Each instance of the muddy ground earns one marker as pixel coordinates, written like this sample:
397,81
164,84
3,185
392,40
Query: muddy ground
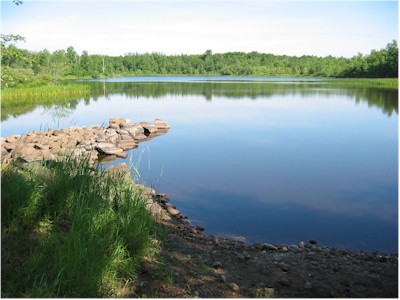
191,264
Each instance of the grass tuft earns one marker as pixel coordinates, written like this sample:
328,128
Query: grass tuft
70,231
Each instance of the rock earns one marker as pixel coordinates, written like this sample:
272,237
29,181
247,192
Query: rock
284,281
308,285
217,265
284,249
161,124
294,248
97,142
267,246
172,211
199,228
148,128
117,122
313,242
223,278
302,245
285,267
126,144
12,138
58,132
234,287
134,130
108,148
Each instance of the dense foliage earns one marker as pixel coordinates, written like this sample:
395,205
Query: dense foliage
22,67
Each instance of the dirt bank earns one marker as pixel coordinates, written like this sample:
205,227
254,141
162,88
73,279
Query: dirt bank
191,264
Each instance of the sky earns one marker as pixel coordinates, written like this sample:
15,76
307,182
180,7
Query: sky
321,28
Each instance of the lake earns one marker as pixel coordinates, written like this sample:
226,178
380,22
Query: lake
276,160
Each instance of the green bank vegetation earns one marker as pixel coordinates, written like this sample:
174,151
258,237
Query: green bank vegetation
42,93
21,67
68,230
391,83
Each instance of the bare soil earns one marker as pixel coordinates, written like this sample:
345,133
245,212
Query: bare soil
190,264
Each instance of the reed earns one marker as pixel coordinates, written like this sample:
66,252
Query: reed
70,231
41,94
392,83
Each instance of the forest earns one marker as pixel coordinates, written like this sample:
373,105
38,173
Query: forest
21,67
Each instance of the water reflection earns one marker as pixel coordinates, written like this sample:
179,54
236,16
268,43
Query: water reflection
386,99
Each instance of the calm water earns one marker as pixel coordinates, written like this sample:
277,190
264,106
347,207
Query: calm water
267,159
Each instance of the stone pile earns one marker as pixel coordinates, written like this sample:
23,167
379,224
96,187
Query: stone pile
96,142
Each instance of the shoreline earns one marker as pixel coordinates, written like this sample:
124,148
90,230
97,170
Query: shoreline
214,266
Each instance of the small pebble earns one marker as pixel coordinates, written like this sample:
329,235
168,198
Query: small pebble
217,265
223,278
199,228
313,242
267,246
302,244
284,281
285,267
308,285
234,287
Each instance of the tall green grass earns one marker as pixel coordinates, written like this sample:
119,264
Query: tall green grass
392,83
42,94
70,231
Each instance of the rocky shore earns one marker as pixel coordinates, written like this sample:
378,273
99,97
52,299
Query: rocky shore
191,264
99,143
186,263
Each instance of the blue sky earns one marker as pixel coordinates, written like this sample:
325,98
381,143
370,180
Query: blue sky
338,28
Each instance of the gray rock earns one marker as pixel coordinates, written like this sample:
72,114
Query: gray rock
285,267
284,281
223,278
217,265
308,285
302,245
267,246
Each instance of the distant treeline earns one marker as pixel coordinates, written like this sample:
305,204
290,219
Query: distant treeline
22,67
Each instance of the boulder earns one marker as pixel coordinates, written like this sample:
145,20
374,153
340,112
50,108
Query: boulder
161,124
149,127
108,148
116,123
126,144
134,130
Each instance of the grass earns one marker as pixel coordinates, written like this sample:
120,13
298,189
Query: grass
392,83
42,94
70,231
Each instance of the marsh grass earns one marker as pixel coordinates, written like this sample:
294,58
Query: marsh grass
70,231
391,83
42,94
